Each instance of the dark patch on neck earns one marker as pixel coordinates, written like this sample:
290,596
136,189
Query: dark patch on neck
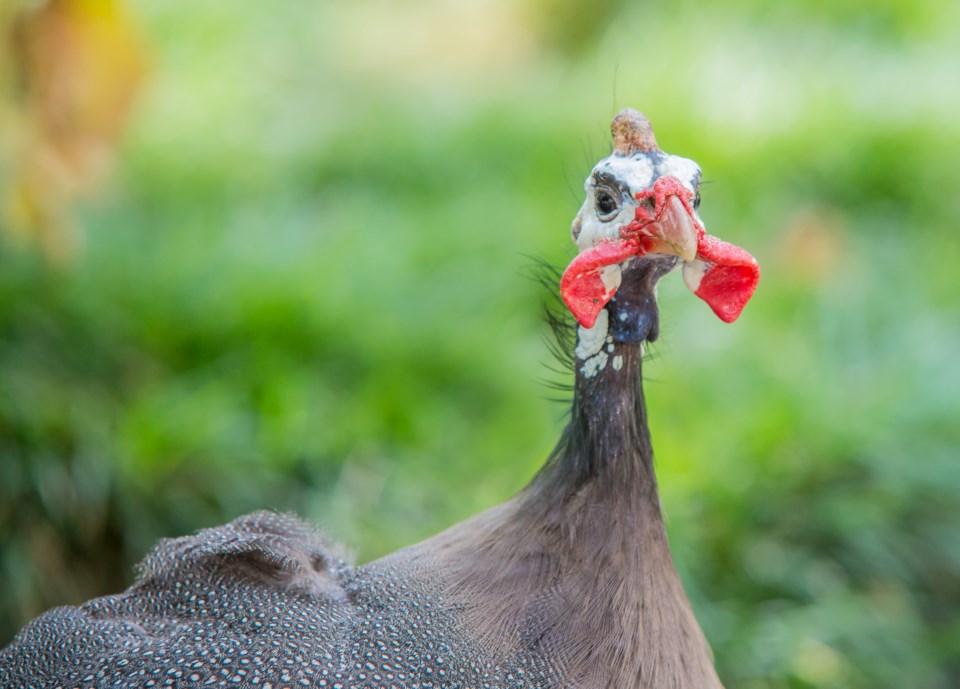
634,314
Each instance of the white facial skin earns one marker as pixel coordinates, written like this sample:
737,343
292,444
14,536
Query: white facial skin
635,173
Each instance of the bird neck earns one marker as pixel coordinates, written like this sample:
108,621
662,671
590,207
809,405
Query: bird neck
579,559
605,451
588,531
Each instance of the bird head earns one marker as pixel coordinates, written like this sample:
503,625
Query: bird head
639,221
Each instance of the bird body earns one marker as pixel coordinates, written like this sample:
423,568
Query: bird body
568,584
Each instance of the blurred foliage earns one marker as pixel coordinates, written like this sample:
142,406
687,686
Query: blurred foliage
303,289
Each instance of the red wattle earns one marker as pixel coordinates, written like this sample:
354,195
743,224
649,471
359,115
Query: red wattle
582,287
727,285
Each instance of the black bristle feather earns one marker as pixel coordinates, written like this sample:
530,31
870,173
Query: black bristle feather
563,327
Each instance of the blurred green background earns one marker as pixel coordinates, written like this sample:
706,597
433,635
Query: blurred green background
275,254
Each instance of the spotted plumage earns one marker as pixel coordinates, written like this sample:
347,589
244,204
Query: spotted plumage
260,602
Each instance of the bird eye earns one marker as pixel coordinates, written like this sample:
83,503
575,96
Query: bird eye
696,200
606,203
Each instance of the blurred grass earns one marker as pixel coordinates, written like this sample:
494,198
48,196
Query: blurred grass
304,290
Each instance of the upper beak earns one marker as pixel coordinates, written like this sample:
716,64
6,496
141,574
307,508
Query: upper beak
675,231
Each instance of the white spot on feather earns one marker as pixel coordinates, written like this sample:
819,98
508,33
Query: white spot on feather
594,365
611,277
590,342
693,272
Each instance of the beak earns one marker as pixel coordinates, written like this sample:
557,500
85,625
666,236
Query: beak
723,275
675,231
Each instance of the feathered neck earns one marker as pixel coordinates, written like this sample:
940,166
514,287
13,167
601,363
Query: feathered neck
606,446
